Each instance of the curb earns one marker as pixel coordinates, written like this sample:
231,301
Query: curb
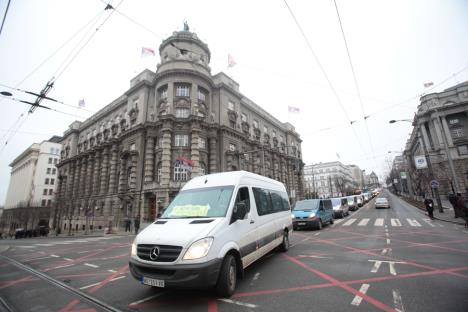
423,211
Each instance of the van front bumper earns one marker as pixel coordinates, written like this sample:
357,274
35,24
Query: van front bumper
202,275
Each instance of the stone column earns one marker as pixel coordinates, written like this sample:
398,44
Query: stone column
76,182
195,152
70,181
123,174
166,158
89,175
133,170
83,180
113,170
437,132
446,132
104,172
149,159
97,165
212,157
425,136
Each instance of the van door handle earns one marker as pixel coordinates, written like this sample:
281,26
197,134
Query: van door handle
252,221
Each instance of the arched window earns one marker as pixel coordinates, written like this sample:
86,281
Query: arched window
180,172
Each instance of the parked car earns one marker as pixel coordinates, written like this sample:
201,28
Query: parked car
382,202
352,203
312,213
216,226
340,207
20,233
367,197
360,200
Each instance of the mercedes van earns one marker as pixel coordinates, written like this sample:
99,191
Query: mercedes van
214,228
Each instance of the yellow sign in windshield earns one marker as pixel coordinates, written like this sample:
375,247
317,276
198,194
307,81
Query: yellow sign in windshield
190,211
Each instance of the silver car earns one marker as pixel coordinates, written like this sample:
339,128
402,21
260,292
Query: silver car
382,202
340,207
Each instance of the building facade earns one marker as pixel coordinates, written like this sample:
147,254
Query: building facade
133,156
357,176
331,179
33,182
440,136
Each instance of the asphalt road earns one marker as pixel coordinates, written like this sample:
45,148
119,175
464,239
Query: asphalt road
388,259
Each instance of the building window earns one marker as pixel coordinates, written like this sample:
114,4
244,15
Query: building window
202,95
457,133
49,203
46,181
244,117
181,140
52,181
183,90
230,105
232,147
132,147
43,203
45,192
54,170
273,134
180,172
51,191
265,129
201,143
202,169
182,112
50,160
463,150
55,161
49,170
158,178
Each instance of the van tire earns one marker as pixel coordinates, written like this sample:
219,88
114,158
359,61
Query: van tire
227,279
332,221
319,225
285,244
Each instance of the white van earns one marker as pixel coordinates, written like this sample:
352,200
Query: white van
216,226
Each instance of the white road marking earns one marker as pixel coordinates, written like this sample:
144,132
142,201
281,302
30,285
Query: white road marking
256,276
379,222
388,241
55,256
26,246
312,256
363,222
63,243
146,299
397,302
112,271
64,266
428,221
386,251
91,265
316,234
349,222
44,245
413,222
392,268
243,304
357,299
376,266
67,259
395,222
82,252
338,221
95,284
386,234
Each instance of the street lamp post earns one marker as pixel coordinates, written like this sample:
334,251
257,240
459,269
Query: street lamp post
429,164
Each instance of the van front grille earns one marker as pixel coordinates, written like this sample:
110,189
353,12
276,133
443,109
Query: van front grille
158,253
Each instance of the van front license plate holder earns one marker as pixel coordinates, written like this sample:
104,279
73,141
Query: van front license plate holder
152,282
301,223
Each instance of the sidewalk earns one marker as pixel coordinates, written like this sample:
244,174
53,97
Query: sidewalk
448,215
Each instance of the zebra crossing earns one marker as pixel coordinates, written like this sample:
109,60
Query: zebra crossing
380,222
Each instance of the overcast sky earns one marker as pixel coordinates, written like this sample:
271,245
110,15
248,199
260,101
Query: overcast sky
395,46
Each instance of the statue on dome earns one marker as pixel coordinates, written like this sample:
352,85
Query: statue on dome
186,26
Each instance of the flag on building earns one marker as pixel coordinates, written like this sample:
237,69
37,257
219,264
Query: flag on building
147,52
294,110
338,155
428,84
81,103
231,61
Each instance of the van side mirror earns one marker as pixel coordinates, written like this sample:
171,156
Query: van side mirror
240,210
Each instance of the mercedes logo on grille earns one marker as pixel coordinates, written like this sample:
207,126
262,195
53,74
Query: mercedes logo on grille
154,253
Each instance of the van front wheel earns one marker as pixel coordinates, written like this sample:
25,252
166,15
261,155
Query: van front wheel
285,244
227,278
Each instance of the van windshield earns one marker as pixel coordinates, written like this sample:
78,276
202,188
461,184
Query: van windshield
307,204
200,203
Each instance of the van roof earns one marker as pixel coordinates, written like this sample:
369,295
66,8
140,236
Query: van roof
233,178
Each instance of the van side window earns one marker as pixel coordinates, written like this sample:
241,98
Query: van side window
276,202
286,204
243,196
327,205
262,200
321,204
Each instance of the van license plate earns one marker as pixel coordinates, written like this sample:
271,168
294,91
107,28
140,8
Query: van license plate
153,282
301,223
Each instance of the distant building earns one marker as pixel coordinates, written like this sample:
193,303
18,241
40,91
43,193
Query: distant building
373,181
34,178
441,124
130,159
331,179
357,175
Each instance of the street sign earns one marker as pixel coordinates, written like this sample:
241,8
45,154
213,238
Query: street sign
420,162
403,175
434,184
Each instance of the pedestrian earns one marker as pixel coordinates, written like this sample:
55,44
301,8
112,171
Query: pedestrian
453,200
459,205
127,225
136,224
465,212
429,203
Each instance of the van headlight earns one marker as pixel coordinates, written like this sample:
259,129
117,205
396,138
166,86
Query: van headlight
293,216
133,253
198,249
312,215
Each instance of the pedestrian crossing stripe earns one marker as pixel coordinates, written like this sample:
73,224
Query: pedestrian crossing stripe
395,222
349,222
381,222
363,222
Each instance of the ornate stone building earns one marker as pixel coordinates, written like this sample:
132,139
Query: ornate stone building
132,157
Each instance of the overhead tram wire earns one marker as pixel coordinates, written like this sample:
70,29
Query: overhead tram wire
355,80
41,64
4,16
51,82
324,73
